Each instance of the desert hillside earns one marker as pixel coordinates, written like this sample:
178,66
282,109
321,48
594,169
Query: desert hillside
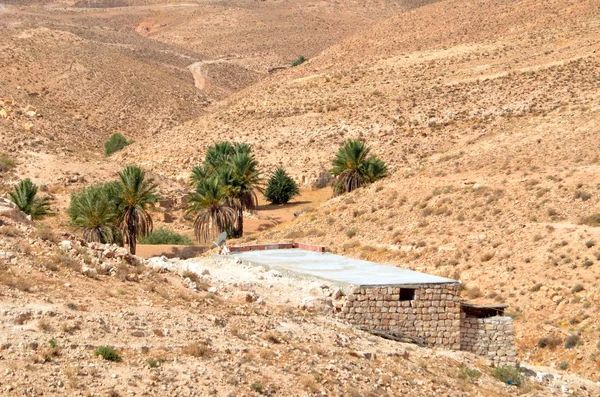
486,119
487,114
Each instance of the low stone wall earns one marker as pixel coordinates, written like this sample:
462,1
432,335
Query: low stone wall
278,246
431,312
491,337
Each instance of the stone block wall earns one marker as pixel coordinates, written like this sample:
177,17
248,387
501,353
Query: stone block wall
432,314
491,337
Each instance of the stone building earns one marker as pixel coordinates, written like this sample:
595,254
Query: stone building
399,302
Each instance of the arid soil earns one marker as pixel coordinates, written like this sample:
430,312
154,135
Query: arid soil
487,114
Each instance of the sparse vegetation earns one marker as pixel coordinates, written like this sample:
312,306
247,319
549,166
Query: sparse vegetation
115,143
509,375
549,342
572,340
107,353
469,373
165,236
196,349
257,387
563,365
301,59
6,163
155,362
281,187
591,220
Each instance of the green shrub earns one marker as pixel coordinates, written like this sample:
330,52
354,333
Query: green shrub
469,373
165,236
115,143
155,362
301,59
509,375
257,387
281,187
351,233
563,365
107,353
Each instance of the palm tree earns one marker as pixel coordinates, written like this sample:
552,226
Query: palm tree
214,215
217,156
353,168
94,211
236,170
241,178
134,194
24,196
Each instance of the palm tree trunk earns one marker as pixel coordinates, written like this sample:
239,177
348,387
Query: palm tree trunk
239,232
131,231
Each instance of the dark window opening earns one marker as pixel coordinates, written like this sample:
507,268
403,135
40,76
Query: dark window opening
407,294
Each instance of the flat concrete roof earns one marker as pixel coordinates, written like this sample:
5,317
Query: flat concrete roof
338,268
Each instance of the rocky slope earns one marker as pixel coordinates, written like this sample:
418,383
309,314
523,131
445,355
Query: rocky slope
233,331
485,118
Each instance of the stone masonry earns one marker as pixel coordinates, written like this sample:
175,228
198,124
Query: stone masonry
429,312
491,337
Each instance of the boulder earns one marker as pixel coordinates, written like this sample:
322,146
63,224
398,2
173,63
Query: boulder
242,297
9,210
323,305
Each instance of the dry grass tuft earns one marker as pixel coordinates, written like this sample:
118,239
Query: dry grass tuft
197,349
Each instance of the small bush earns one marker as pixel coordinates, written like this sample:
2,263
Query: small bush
591,220
469,373
281,187
115,143
577,288
196,349
563,365
551,342
509,375
43,232
10,231
257,387
301,59
155,362
165,236
351,233
107,353
583,195
6,163
474,293
571,341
